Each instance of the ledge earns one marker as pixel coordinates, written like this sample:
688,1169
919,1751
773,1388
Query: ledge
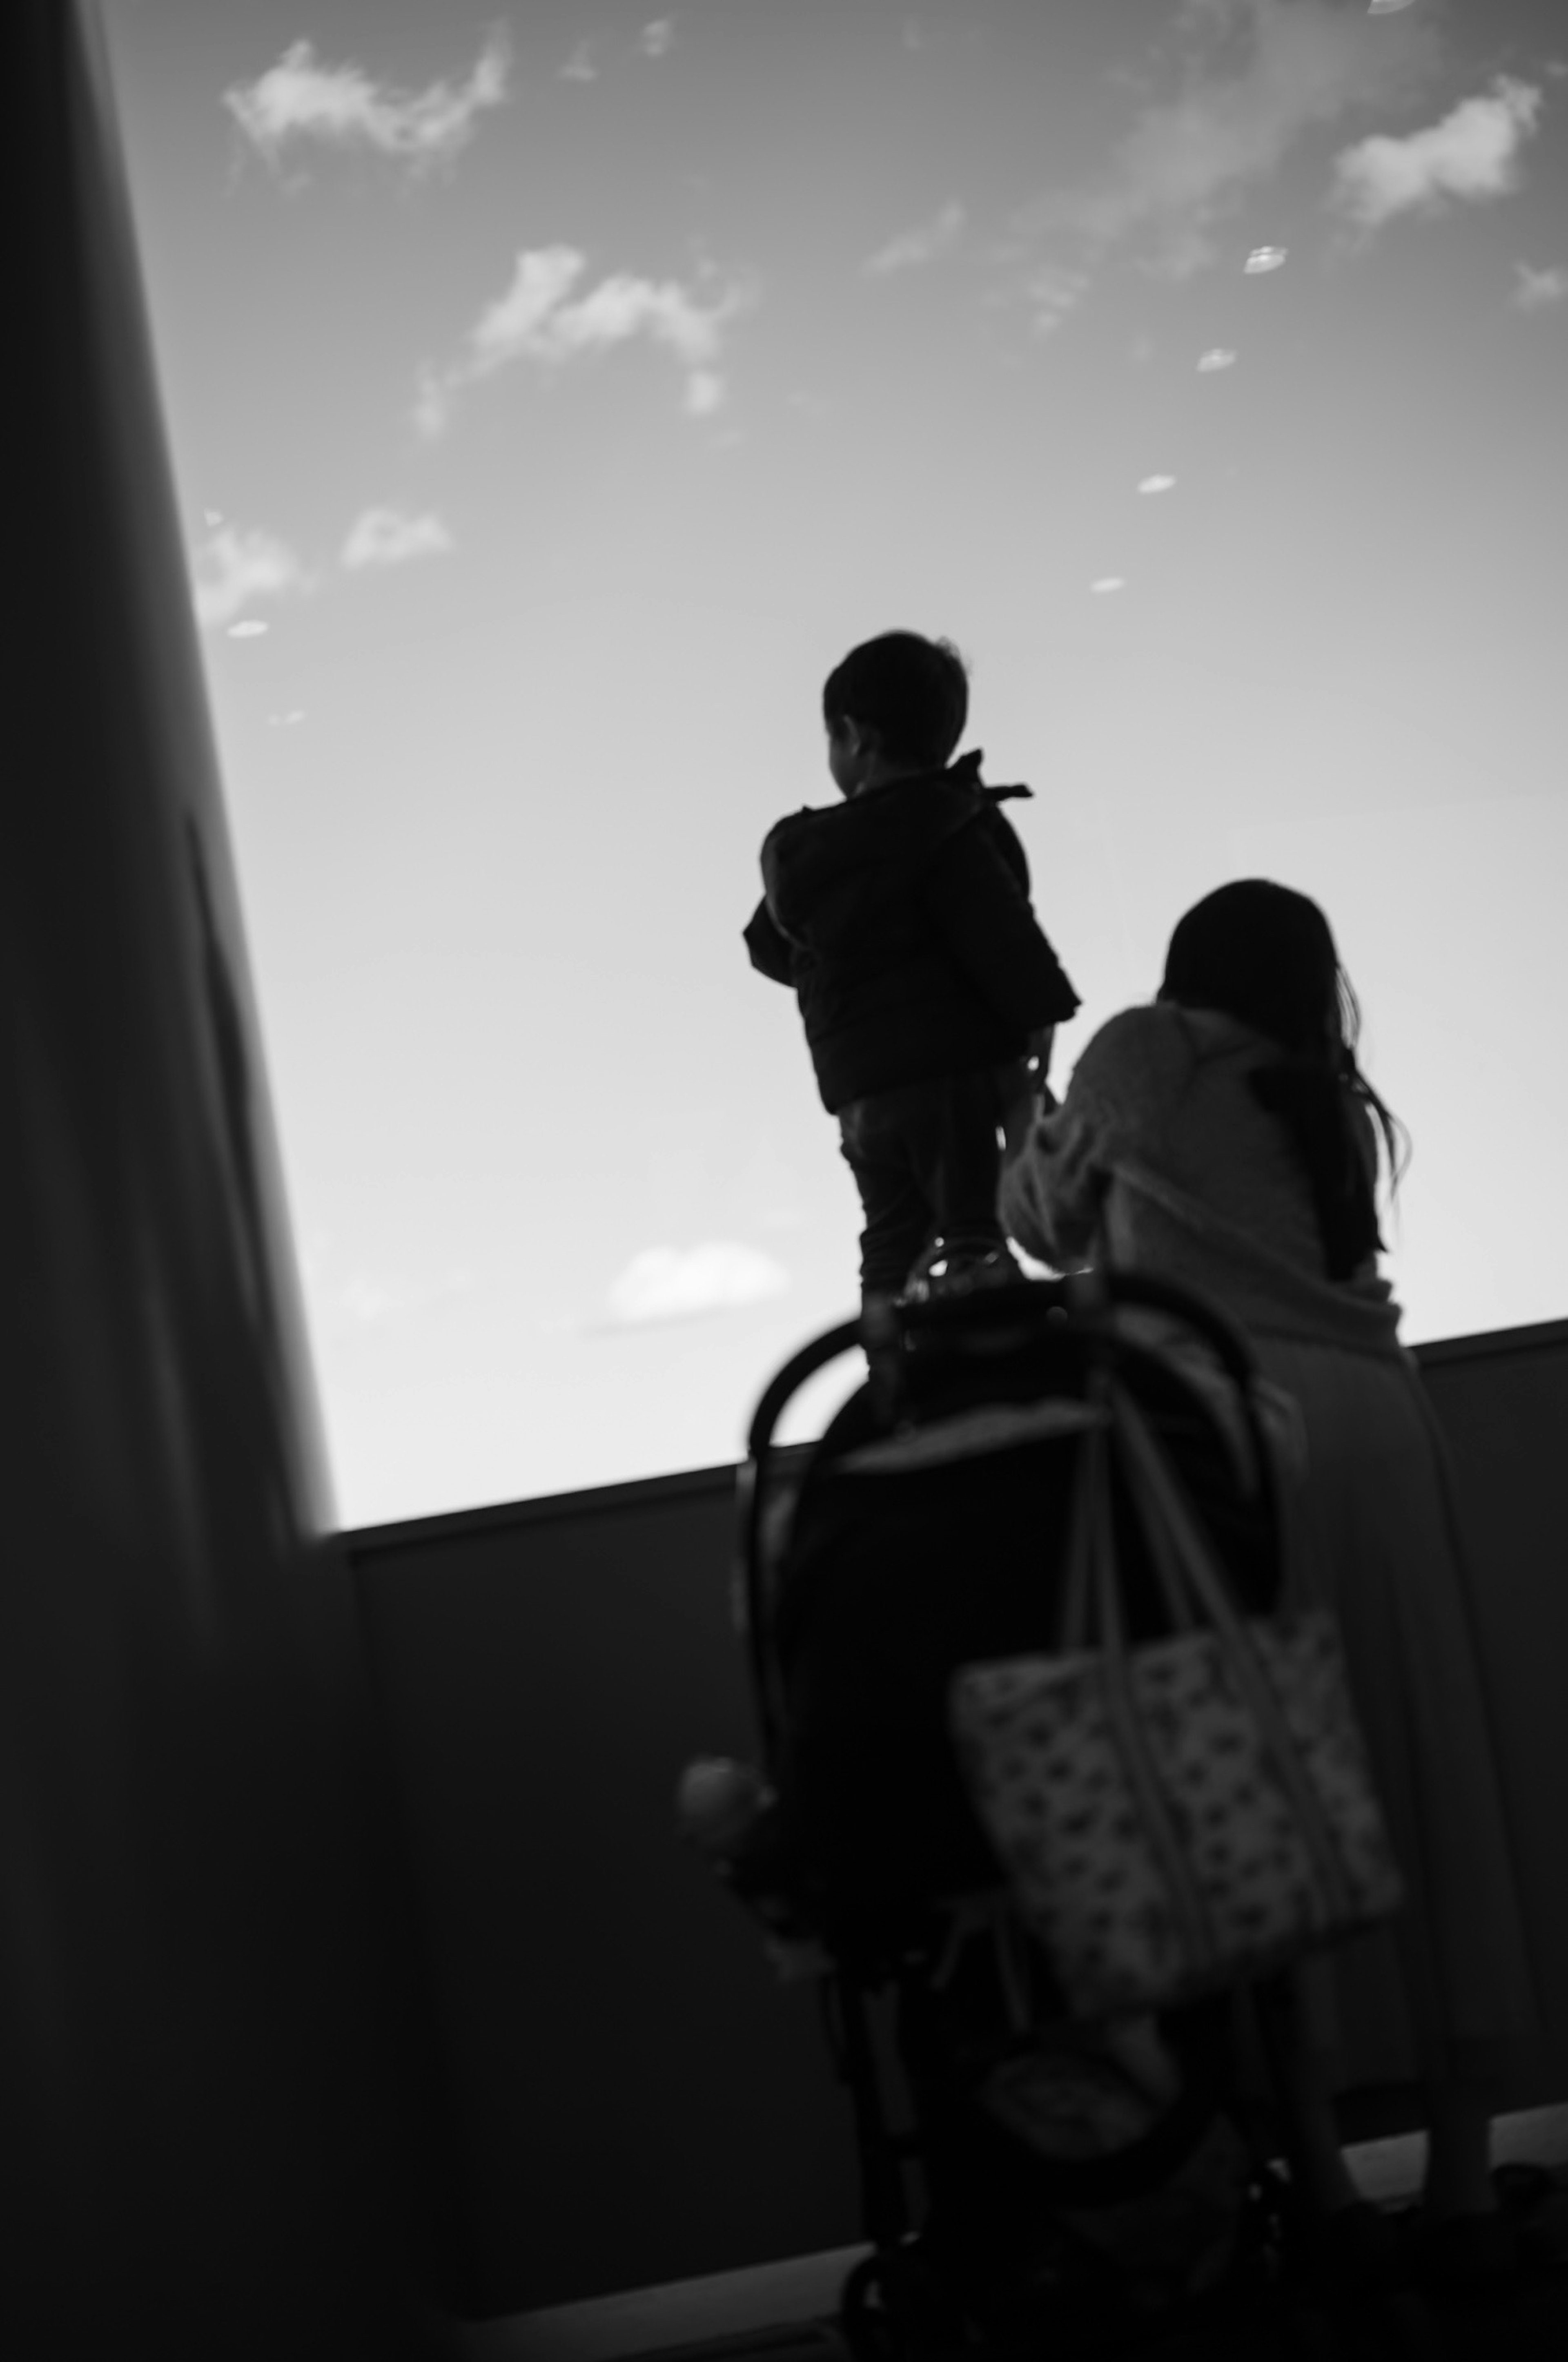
1541,1336
640,1493
715,1484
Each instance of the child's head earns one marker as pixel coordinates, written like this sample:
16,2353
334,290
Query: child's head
896,705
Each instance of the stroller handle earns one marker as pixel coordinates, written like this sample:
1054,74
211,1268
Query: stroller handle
1081,1299
793,1376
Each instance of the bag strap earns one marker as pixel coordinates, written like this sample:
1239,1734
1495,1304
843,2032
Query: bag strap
1089,1507
1163,1509
1126,1724
1090,1501
1180,1602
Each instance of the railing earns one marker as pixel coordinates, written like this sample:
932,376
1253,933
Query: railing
632,2099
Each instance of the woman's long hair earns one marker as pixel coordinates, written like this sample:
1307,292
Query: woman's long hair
1265,955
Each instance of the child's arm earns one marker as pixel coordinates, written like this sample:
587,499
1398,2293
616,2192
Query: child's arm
770,948
1026,1094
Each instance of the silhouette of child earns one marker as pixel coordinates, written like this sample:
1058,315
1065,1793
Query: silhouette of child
903,921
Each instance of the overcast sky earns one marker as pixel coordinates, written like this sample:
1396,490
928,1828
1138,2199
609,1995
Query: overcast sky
554,399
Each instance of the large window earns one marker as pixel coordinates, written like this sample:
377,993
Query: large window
551,408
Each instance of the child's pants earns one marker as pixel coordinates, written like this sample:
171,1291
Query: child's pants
927,1162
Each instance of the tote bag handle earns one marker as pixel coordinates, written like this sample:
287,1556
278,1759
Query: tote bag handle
1092,1614
1174,1535
1082,1618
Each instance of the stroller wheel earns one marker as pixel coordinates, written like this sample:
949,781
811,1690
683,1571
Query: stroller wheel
893,2308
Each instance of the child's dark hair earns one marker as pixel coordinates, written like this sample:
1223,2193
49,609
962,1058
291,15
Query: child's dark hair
912,691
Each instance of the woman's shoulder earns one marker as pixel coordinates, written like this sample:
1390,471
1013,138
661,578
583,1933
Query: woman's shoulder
1134,1048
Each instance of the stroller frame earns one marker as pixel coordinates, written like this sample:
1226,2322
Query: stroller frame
891,2304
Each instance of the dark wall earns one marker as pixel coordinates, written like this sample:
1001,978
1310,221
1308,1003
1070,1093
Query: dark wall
635,2098
635,2101
207,2137
1503,1403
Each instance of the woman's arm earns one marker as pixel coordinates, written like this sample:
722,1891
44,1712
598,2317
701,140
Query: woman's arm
1056,1170
1053,1176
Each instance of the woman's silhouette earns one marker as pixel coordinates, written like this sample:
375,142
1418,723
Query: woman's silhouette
1225,1138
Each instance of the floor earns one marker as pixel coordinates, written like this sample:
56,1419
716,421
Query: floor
784,2312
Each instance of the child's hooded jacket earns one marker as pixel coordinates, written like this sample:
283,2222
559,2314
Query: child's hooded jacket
902,918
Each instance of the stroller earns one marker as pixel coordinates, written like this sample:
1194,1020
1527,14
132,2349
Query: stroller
1085,2190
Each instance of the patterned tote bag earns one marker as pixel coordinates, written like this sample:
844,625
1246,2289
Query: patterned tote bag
1188,1814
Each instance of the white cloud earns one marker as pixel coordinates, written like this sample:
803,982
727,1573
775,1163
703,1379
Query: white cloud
251,628
1051,292
386,538
1264,258
1158,484
365,1299
914,247
1473,152
1218,356
1388,7
508,326
1254,76
534,320
233,567
657,37
705,394
432,403
674,1284
505,329
298,98
1106,583
580,66
1535,289
625,306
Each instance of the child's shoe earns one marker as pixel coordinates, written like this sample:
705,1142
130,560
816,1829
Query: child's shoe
959,1271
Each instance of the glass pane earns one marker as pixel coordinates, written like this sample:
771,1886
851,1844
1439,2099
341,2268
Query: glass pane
553,409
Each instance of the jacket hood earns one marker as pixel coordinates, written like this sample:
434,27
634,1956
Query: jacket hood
824,870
